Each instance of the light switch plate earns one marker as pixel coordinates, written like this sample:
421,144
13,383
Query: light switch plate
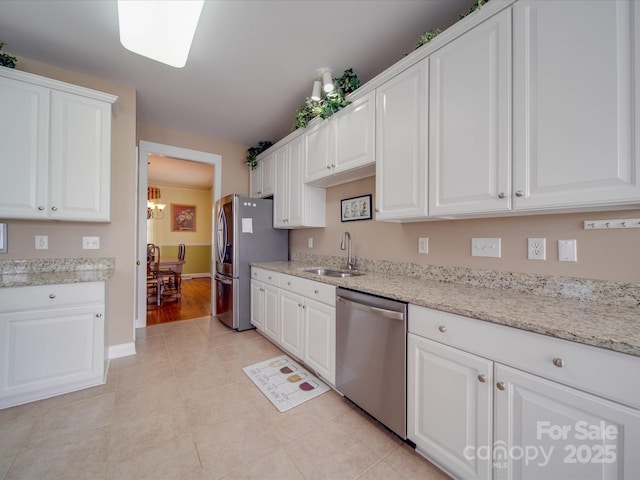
485,247
423,245
567,251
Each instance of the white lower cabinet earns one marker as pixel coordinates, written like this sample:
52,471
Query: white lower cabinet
303,321
53,340
449,406
489,401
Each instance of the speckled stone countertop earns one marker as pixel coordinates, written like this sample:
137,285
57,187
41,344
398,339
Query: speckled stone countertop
49,271
611,322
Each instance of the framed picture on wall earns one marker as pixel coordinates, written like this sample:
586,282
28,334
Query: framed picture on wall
183,218
356,208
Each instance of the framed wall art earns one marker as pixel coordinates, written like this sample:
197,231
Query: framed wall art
183,218
356,208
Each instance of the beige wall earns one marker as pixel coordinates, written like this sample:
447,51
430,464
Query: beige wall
235,174
608,255
117,239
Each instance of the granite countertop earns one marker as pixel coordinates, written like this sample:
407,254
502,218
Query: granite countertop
614,327
23,273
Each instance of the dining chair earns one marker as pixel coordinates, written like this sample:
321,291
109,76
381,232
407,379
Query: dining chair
172,277
154,279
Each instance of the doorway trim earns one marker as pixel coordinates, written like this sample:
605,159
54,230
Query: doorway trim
144,149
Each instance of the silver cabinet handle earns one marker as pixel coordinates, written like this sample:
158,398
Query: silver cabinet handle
442,328
482,378
300,305
500,385
519,193
99,315
501,195
316,291
289,283
269,277
52,295
328,167
558,362
40,208
55,209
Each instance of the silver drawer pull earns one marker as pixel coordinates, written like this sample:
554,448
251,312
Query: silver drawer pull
99,315
316,291
52,295
558,362
500,385
442,328
482,378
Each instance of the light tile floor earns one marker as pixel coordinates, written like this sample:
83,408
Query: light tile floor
183,409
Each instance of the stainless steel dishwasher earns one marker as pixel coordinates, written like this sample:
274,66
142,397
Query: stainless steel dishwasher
371,359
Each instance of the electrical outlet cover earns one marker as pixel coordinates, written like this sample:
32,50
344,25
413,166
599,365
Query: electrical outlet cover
537,248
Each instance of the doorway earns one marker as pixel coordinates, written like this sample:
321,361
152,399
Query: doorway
144,150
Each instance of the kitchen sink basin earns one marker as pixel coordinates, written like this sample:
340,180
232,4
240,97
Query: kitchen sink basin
326,272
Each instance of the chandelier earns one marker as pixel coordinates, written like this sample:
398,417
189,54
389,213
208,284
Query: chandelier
154,210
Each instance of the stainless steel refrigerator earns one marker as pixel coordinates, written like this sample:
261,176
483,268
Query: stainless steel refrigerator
244,234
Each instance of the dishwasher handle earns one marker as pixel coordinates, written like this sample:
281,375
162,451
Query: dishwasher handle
368,308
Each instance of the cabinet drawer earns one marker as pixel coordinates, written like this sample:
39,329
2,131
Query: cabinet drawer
265,276
318,291
610,374
48,296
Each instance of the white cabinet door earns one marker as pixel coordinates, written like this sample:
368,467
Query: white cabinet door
547,430
320,339
24,149
262,178
450,406
281,193
402,146
292,323
296,187
80,158
354,134
257,304
319,155
271,306
575,102
470,121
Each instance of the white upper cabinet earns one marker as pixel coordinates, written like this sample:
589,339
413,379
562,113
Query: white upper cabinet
342,148
576,129
470,121
24,149
55,149
295,204
262,178
401,145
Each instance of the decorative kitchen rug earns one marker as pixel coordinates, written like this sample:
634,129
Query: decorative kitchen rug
285,383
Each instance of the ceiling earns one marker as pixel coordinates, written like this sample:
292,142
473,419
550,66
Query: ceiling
252,63
163,170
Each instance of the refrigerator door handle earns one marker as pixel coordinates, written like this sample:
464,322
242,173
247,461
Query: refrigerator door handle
225,280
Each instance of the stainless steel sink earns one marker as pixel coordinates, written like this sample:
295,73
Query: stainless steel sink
326,272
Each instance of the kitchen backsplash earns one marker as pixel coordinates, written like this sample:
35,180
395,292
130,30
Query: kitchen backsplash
600,291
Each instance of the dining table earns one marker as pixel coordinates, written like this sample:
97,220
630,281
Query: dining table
174,264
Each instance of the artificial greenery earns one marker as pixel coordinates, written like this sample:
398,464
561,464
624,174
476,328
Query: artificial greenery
429,35
7,60
476,6
253,152
330,103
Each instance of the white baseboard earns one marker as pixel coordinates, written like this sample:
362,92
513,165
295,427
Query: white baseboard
187,276
122,350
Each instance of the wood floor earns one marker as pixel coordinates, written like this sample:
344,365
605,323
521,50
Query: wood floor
195,303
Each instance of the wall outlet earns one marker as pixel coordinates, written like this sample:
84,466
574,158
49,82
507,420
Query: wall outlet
423,245
42,242
90,243
567,251
537,248
485,247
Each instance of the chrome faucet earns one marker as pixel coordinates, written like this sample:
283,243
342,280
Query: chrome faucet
345,244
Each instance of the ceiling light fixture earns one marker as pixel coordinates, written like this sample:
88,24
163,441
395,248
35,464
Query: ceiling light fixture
160,30
323,81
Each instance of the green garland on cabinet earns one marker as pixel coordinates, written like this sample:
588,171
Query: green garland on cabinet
7,60
429,35
253,152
